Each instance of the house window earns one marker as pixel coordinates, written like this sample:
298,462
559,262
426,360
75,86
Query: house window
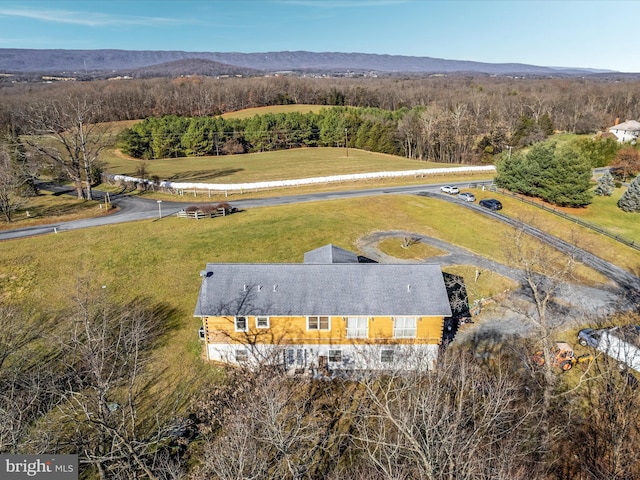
357,327
318,323
242,355
335,356
386,355
404,327
296,357
241,324
262,322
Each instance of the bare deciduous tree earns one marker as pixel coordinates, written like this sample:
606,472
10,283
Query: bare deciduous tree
545,271
16,175
106,355
68,135
27,378
459,421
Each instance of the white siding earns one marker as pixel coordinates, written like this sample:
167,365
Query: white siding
310,357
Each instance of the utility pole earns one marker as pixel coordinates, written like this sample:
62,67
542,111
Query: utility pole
346,141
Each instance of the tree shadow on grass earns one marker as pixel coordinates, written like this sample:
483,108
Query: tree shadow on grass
66,206
202,175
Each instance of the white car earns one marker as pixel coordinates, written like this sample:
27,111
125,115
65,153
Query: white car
450,189
467,196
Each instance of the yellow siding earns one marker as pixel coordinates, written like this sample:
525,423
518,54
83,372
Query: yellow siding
293,330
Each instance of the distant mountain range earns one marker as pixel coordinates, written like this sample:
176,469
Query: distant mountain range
146,63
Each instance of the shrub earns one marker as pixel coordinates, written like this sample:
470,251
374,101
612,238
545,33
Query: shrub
630,200
605,185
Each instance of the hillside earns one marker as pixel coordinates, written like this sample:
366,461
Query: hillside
190,66
97,62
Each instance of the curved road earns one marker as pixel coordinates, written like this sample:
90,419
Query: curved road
132,208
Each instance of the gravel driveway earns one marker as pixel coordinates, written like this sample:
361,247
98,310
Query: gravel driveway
573,306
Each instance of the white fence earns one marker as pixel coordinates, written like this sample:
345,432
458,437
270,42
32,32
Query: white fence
233,187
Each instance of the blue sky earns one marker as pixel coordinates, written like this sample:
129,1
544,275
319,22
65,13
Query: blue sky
568,33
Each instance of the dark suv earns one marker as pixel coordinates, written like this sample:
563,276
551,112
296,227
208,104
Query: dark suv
491,203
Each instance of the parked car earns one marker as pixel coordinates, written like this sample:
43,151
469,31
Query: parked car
620,343
491,203
589,337
450,189
467,196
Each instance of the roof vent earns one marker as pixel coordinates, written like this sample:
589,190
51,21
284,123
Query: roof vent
275,287
244,287
204,273
259,288
409,288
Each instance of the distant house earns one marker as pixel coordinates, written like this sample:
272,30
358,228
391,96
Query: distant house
330,313
627,131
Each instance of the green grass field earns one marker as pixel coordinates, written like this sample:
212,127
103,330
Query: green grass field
296,108
266,166
161,260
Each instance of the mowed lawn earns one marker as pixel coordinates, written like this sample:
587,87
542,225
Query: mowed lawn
274,109
162,259
267,166
603,212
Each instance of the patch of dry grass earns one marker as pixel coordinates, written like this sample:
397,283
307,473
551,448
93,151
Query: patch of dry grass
47,207
413,251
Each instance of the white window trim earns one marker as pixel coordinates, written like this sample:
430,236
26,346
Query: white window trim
263,326
404,328
246,324
393,355
318,323
333,350
358,330
243,352
295,357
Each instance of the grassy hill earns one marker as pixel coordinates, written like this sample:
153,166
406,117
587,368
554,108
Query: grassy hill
265,166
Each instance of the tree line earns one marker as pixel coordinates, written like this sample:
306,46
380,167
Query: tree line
62,127
496,110
172,136
418,133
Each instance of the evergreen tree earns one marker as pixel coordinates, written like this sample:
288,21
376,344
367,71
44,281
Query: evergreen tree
512,173
606,185
557,175
567,181
600,151
630,200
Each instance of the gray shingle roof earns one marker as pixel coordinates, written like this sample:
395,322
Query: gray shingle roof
322,289
629,126
330,254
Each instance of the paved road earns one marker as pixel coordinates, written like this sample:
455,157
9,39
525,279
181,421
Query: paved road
616,274
584,302
131,208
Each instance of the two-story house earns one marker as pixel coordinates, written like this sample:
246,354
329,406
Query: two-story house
626,131
330,313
